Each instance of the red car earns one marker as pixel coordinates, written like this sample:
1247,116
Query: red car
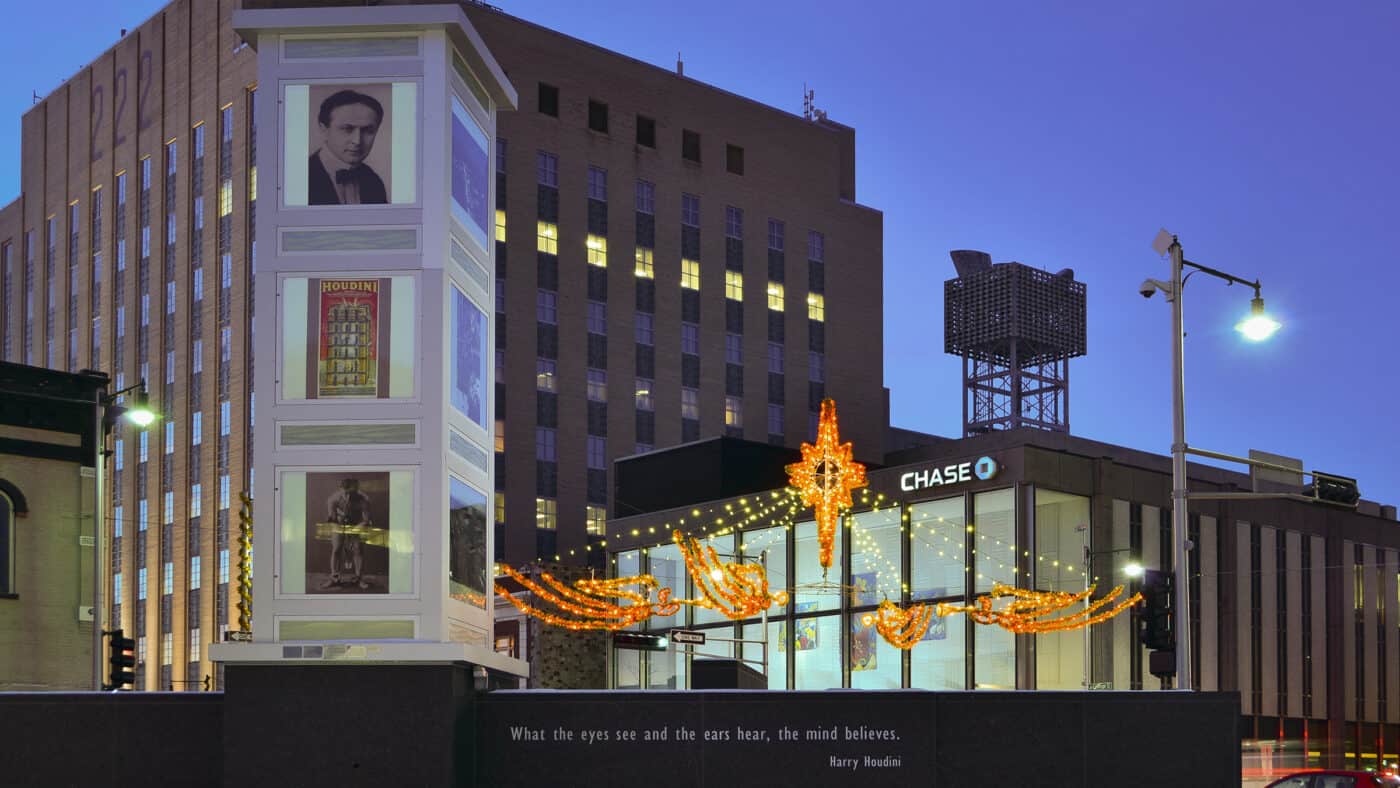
1333,779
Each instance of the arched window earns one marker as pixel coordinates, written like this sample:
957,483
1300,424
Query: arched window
12,505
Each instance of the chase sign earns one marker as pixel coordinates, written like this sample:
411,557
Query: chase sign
982,469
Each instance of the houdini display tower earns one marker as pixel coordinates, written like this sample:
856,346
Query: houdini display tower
373,342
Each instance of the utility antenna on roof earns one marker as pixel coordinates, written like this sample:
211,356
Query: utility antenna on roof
680,65
809,105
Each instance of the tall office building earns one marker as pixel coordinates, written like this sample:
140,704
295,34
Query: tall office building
674,262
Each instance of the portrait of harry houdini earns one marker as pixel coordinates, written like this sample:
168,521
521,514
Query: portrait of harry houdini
337,172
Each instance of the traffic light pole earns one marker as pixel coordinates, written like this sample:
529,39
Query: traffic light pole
1180,547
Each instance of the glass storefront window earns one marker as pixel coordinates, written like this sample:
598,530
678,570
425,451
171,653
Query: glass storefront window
664,562
938,545
993,533
627,665
817,588
777,652
994,561
629,564
1061,537
939,661
724,546
876,570
666,669
773,543
817,652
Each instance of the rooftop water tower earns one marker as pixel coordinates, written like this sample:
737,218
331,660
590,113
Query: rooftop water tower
1016,328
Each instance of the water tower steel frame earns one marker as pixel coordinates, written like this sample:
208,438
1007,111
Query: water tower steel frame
1016,328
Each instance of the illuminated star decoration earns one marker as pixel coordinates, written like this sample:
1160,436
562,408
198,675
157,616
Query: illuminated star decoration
825,478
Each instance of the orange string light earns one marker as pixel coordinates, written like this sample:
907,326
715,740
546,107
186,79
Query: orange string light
736,590
902,629
1029,611
586,603
825,477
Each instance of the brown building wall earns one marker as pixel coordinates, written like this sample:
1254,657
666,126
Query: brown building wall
182,67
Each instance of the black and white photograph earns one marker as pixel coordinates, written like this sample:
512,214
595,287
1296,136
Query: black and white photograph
347,533
349,136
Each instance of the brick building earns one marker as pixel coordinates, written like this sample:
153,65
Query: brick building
674,262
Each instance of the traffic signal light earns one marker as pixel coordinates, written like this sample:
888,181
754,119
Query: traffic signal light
1333,489
639,641
121,660
1157,631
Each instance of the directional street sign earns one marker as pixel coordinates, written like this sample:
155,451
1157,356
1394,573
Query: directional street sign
686,636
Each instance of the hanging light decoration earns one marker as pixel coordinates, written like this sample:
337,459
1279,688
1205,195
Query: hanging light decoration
587,605
1033,612
824,479
902,629
736,590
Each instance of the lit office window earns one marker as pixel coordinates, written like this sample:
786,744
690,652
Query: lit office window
547,238
194,573
775,296
734,285
645,270
596,519
645,401
500,225
500,435
597,246
500,507
733,412
816,306
546,513
546,378
690,274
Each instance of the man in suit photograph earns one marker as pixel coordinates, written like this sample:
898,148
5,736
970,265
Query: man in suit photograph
337,172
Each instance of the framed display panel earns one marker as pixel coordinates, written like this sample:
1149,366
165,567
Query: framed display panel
348,337
468,382
471,175
346,531
350,143
466,543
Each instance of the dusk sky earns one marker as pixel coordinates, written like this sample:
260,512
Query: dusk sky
1266,135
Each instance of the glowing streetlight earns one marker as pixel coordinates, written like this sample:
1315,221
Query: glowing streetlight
1133,570
1258,326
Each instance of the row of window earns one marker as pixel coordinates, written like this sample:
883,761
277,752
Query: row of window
599,120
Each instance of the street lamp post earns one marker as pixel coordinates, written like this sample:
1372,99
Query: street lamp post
141,415
1257,327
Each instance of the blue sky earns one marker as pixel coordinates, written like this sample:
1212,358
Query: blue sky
1266,135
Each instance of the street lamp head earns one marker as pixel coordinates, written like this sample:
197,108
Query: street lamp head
1258,326
1133,570
140,412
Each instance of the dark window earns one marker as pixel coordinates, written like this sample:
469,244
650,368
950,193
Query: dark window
646,131
549,100
598,116
690,145
734,159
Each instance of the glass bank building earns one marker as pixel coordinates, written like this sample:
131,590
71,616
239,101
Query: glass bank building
1294,605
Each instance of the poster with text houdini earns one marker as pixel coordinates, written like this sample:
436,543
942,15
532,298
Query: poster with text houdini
349,337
